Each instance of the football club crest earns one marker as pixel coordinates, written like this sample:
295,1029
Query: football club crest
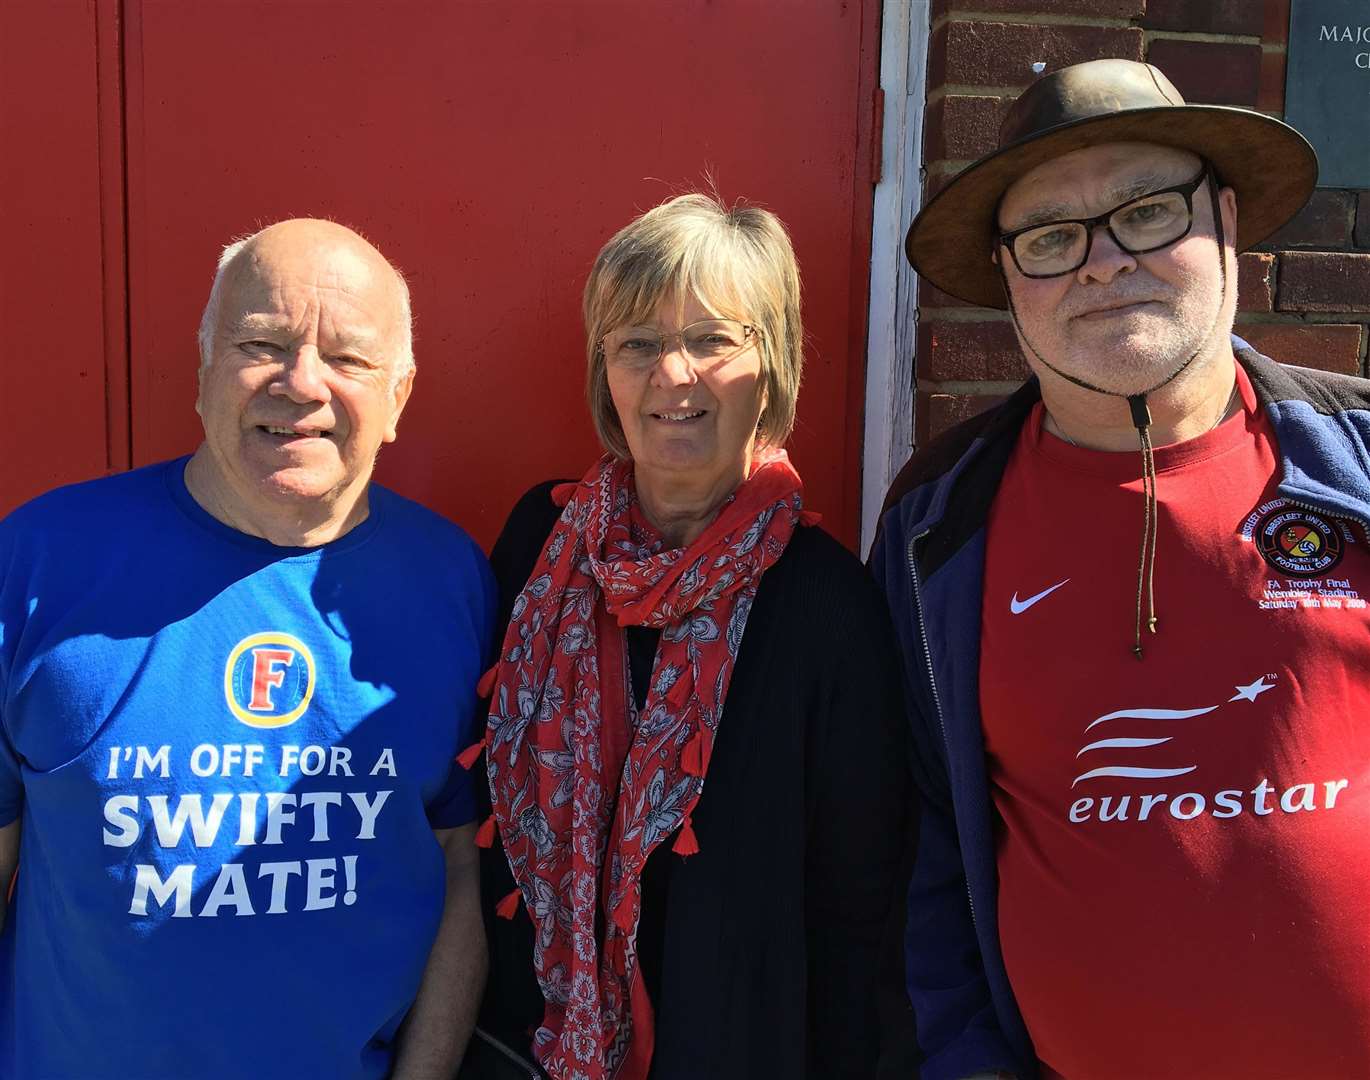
269,679
1298,542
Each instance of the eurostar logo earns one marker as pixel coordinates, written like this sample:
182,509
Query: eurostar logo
1128,759
1250,692
269,680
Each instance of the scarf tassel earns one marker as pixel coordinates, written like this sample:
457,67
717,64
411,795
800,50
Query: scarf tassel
692,757
509,906
485,835
486,686
468,757
623,916
686,842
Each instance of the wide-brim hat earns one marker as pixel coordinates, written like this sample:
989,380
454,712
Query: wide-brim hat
1270,166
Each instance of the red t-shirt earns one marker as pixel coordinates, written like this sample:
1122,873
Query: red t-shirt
1184,841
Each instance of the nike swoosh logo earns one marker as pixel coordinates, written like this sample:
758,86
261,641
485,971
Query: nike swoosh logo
1019,606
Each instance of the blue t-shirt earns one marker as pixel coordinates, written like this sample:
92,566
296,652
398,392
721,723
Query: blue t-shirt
229,758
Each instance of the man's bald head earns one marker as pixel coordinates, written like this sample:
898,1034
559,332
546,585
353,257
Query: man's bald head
294,242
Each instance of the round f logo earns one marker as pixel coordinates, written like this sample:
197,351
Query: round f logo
269,679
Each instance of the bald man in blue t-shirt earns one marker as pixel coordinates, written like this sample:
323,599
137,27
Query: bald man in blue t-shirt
232,687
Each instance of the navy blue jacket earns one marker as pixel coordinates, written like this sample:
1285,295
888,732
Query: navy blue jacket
929,556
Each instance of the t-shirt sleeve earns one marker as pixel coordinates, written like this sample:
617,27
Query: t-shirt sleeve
11,781
455,804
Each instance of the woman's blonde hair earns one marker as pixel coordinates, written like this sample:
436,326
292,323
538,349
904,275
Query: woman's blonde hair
736,261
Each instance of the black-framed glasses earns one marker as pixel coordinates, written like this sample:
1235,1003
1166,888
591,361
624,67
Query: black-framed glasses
708,339
1146,223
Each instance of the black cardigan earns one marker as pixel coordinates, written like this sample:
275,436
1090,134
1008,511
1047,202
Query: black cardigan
776,933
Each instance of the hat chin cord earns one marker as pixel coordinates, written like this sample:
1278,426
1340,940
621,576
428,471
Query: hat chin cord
1141,419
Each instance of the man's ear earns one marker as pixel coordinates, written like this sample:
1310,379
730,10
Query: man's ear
402,390
1227,205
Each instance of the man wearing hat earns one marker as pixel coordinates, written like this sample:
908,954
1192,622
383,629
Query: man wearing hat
1132,606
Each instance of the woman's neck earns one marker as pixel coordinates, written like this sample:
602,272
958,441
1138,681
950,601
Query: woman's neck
682,507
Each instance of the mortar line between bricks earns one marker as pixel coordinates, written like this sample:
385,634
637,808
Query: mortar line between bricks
1016,18
961,314
1305,318
1274,47
974,388
1210,39
970,90
945,166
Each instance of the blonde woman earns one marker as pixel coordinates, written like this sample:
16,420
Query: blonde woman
695,745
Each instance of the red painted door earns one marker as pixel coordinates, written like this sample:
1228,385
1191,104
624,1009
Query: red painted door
63,376
489,148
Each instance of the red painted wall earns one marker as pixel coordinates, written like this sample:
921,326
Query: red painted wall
488,148
53,385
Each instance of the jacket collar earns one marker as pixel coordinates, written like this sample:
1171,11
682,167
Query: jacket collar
1322,427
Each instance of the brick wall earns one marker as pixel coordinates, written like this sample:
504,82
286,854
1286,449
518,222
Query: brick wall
1304,296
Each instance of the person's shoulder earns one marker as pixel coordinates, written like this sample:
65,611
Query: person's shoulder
100,502
812,549
1327,392
408,521
823,575
824,607
528,525
946,451
535,511
68,538
429,555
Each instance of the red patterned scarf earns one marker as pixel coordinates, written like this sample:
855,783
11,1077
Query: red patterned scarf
583,787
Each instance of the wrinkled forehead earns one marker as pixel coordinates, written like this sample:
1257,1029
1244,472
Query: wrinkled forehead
1089,181
273,272
333,298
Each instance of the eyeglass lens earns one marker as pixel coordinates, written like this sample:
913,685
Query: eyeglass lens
712,339
1142,225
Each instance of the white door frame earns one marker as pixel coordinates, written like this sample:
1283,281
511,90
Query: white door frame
892,325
